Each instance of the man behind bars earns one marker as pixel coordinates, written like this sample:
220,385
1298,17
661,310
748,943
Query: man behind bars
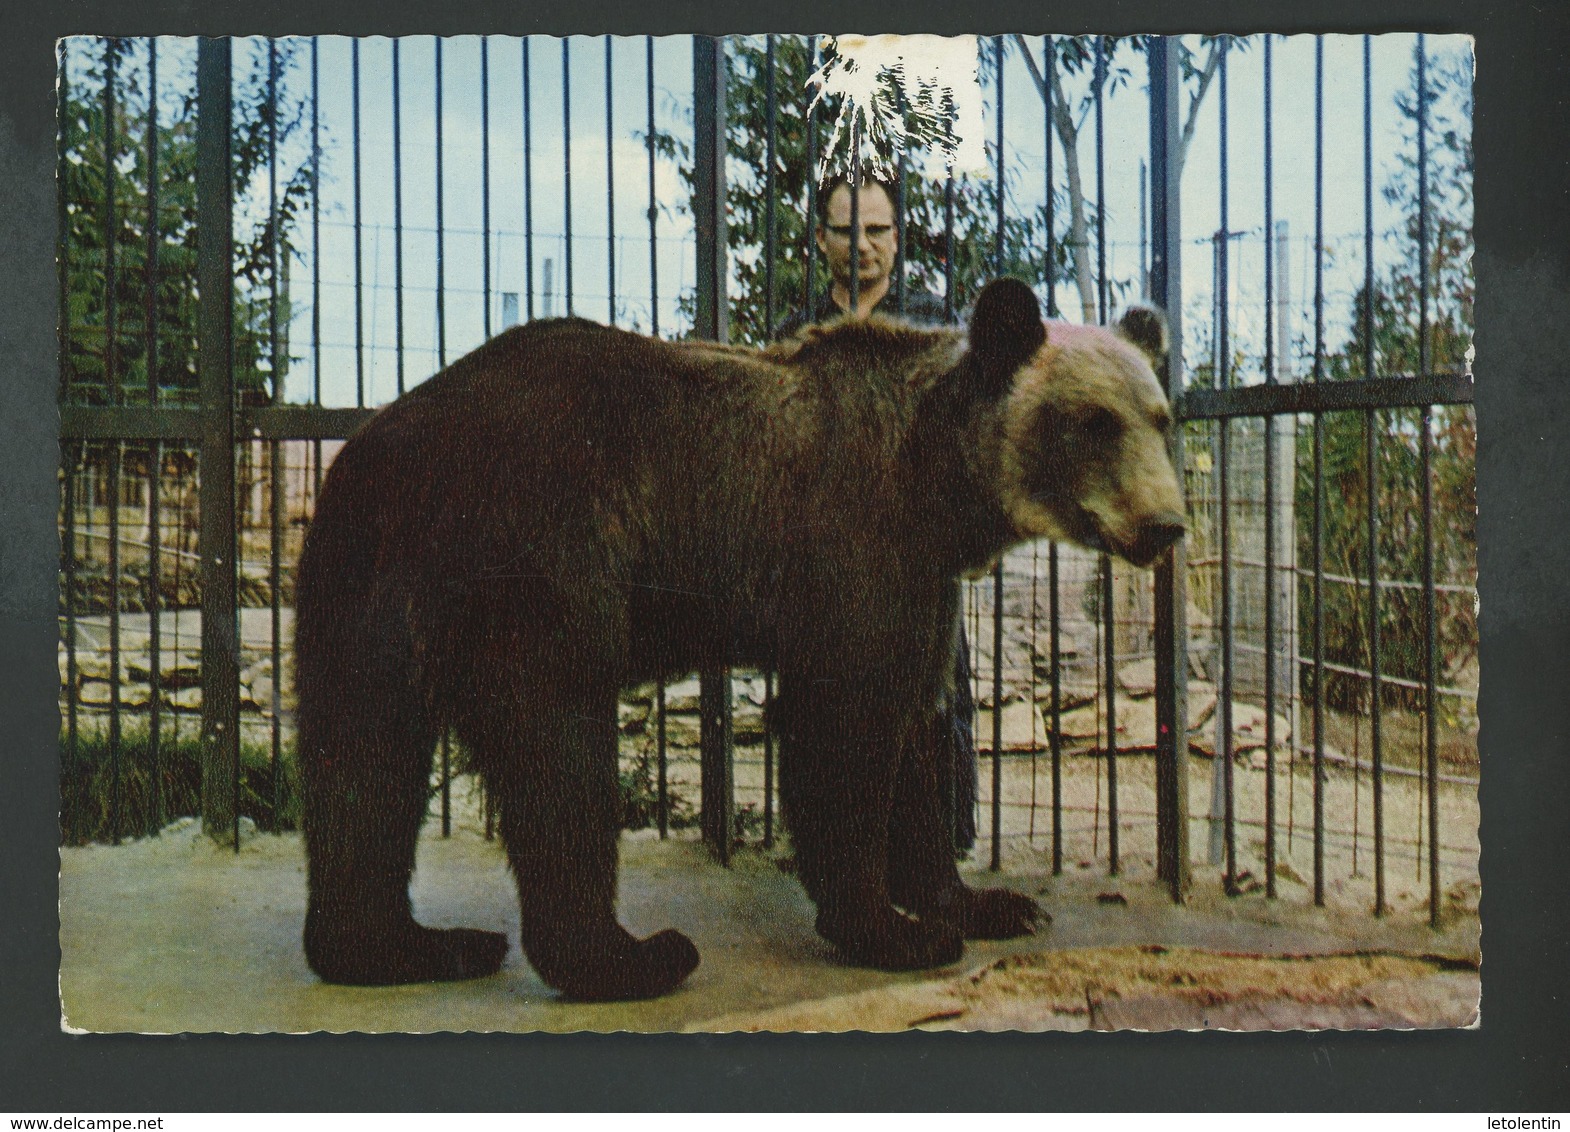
876,249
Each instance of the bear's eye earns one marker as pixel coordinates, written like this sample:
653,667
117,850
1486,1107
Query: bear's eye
1102,426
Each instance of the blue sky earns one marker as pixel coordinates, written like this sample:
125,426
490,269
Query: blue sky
1126,143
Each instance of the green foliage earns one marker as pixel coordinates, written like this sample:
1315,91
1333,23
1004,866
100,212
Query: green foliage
87,784
1397,434
975,203
91,184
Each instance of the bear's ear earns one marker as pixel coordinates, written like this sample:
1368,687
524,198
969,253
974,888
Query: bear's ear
1005,329
1146,328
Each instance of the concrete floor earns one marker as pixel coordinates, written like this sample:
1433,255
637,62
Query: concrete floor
175,934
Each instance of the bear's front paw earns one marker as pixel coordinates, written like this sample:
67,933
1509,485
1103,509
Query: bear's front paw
891,941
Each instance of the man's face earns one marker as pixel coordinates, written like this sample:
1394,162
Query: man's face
875,248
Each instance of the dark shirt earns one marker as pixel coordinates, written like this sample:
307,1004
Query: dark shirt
921,307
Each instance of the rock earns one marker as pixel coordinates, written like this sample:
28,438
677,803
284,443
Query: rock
94,693
1023,729
184,699
258,694
1138,678
634,717
181,669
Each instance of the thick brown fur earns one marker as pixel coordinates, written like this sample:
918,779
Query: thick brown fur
571,509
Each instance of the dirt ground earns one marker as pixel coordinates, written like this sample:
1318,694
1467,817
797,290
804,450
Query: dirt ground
175,933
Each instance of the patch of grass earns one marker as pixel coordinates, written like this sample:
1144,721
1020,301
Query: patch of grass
92,809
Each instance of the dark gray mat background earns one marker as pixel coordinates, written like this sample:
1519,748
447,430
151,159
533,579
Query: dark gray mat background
1518,1061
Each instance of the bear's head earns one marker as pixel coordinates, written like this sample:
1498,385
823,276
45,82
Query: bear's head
1083,425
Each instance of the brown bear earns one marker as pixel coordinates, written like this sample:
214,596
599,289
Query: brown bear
572,508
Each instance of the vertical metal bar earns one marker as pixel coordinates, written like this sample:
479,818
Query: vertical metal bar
71,462
528,180
111,227
771,224
441,227
997,570
663,792
808,300
116,449
215,363
1048,64
316,234
716,739
116,462
446,749
1223,473
1270,487
155,457
654,251
1430,620
900,217
1319,466
397,122
485,174
950,300
1171,582
566,143
768,762
855,218
275,448
359,259
441,358
610,189
316,258
63,218
1371,458
1049,71
1108,597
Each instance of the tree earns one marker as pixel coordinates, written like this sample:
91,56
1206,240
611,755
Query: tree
1075,56
1396,310
92,183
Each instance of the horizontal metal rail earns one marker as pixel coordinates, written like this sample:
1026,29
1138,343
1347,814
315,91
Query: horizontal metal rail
144,422
1325,397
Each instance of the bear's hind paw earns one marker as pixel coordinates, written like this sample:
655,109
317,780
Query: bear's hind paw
997,913
629,969
413,954
893,942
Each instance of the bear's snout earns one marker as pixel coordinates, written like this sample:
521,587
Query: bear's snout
1156,533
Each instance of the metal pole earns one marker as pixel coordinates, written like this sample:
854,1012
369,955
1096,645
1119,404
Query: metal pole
1223,475
215,363
1108,597
155,456
1270,491
610,190
359,259
1371,457
1319,478
1430,620
716,738
997,571
654,251
1171,581
116,449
